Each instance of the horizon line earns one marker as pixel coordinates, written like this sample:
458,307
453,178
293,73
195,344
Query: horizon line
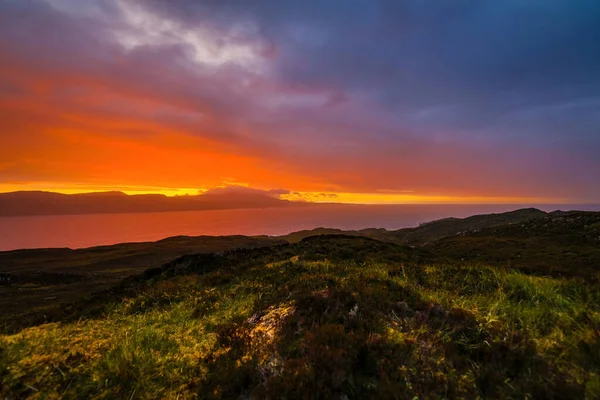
339,198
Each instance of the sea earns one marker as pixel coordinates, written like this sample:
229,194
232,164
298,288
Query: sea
80,231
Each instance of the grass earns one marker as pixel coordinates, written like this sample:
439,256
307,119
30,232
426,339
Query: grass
559,244
45,279
328,317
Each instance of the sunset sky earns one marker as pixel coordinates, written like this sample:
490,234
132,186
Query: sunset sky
389,101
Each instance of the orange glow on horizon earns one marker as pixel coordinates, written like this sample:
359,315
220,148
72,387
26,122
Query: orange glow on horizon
311,197
403,198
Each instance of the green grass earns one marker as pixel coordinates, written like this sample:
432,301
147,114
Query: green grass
46,279
329,317
559,244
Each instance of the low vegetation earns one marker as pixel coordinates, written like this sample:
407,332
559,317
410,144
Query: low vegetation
35,283
327,317
557,244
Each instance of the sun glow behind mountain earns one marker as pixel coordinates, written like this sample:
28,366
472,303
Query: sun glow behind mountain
312,197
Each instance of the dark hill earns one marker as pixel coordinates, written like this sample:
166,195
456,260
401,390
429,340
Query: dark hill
435,230
429,232
556,243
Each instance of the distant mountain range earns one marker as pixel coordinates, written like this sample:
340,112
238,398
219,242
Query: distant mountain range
48,203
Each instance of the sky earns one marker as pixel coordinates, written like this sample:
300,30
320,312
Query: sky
374,101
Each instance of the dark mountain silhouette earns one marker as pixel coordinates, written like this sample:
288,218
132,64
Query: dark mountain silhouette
48,203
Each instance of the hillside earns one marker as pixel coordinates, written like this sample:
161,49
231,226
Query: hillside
533,241
34,282
330,316
435,230
430,232
558,243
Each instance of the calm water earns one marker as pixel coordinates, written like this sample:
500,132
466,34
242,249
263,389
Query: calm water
78,231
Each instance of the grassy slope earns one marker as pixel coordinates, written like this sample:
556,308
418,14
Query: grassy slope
328,317
123,258
44,279
435,230
559,243
534,242
430,232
